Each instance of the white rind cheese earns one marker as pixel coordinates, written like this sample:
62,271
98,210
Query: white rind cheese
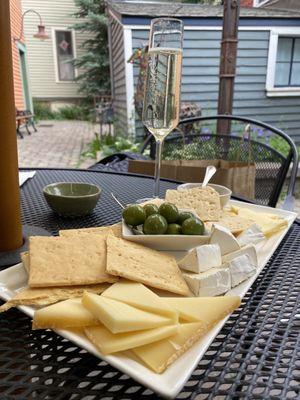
249,250
211,283
241,269
224,238
202,258
252,235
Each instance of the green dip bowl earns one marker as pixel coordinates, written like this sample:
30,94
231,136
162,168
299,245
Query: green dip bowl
72,199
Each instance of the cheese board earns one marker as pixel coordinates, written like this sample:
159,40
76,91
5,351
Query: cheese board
169,383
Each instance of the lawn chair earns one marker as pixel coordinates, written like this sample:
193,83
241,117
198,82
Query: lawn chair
24,118
271,152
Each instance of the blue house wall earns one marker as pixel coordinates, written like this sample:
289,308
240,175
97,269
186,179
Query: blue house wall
200,78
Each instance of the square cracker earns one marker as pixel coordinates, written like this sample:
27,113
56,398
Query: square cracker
64,261
46,296
141,264
25,260
116,229
205,201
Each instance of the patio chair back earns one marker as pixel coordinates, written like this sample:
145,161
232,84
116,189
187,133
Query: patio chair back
269,149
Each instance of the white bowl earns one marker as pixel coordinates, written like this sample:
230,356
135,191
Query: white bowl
223,191
166,242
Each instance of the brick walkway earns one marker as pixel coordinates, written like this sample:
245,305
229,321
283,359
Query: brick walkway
56,144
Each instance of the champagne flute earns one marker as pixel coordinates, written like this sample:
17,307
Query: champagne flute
162,86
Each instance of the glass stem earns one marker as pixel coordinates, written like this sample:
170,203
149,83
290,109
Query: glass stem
159,143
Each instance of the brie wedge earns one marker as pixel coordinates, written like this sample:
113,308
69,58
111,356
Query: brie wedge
202,258
241,269
249,250
252,235
224,238
211,283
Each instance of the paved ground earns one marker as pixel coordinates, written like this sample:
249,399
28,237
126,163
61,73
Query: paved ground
55,144
60,143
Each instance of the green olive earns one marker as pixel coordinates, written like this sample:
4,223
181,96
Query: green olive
183,216
173,229
169,211
192,226
150,209
134,215
155,225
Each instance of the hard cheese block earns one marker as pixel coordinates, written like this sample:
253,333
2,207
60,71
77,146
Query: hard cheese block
249,250
241,269
159,355
214,282
224,238
109,343
139,296
202,258
206,310
65,314
120,317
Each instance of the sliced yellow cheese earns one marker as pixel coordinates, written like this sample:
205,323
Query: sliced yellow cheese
120,317
159,355
268,223
139,296
108,342
65,314
206,310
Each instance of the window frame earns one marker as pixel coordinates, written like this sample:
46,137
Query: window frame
271,89
54,30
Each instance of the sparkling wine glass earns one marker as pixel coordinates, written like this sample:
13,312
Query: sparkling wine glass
162,86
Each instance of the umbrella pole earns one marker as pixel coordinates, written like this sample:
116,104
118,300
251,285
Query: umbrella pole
10,211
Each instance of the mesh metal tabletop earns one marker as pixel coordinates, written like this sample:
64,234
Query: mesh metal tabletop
255,356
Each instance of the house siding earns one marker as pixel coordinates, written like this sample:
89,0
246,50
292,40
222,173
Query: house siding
15,26
118,72
55,14
200,78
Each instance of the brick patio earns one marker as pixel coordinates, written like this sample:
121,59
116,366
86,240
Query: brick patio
56,144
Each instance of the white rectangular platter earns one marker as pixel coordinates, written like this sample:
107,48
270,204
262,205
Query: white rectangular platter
170,383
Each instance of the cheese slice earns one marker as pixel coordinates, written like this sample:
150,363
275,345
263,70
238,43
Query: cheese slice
202,258
206,310
120,317
108,342
139,296
210,283
224,238
241,269
252,235
65,314
249,250
159,355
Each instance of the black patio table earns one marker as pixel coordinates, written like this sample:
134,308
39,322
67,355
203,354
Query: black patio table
255,356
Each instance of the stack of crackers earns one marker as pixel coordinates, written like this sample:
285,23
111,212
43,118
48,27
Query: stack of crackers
64,266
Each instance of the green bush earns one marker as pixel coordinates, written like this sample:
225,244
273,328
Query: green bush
80,112
43,111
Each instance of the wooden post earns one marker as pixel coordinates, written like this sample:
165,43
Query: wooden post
10,213
228,62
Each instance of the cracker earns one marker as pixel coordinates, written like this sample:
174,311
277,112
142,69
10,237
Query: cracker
205,201
25,260
116,229
235,223
141,264
68,261
47,296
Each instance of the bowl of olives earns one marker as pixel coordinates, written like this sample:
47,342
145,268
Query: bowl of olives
163,228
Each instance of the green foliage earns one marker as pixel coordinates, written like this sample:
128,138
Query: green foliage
110,144
42,111
94,63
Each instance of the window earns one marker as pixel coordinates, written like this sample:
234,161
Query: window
283,73
64,49
258,3
288,62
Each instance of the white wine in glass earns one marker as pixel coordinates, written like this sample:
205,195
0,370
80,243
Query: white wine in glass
162,86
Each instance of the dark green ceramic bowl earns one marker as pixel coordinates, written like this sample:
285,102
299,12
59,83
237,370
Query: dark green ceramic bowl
72,199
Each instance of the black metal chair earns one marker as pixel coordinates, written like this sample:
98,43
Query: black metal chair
247,135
